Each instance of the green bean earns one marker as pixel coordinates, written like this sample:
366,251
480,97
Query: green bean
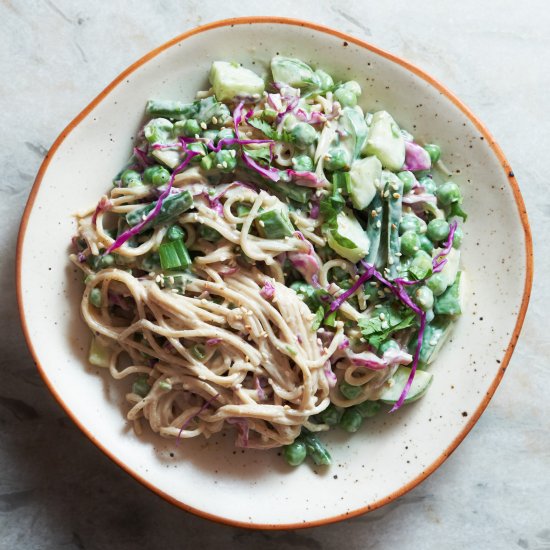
171,208
395,207
316,450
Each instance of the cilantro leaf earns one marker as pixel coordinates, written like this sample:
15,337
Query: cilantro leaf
269,131
260,153
376,330
318,319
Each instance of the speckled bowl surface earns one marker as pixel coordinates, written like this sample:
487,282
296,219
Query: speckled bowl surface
392,453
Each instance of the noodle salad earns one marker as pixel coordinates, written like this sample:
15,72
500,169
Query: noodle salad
272,261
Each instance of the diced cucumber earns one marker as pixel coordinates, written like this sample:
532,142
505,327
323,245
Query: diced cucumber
421,382
449,303
99,354
352,122
348,238
435,335
293,72
365,178
168,157
159,130
230,80
386,141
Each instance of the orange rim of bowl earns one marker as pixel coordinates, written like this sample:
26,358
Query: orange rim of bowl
418,72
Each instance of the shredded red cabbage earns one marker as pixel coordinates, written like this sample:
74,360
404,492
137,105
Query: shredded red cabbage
438,262
305,262
267,291
213,341
141,157
188,421
117,300
305,179
271,173
242,425
416,157
331,377
228,271
259,390
343,344
419,198
123,237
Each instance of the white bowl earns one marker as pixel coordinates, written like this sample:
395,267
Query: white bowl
392,453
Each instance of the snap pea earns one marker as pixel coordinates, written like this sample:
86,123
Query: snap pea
171,208
316,450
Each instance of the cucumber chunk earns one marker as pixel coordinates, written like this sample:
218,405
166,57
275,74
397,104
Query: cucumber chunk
348,238
365,178
230,80
386,141
419,387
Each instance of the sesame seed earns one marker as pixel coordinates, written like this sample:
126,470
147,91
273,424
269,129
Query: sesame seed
203,125
398,254
219,166
382,316
197,136
396,195
262,223
415,248
380,293
374,213
385,324
214,120
393,226
232,152
390,261
224,164
379,224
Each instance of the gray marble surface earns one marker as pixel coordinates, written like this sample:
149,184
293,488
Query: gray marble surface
58,491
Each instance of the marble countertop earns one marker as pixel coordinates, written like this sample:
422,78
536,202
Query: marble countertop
58,491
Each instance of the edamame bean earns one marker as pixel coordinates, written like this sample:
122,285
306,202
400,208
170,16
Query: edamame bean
421,265
410,243
95,297
303,133
425,244
438,230
349,391
408,180
353,87
337,159
434,151
457,240
156,175
410,222
130,178
295,453
140,386
302,163
345,97
351,420
448,193
437,283
424,298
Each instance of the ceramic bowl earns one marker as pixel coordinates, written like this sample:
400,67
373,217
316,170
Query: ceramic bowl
392,453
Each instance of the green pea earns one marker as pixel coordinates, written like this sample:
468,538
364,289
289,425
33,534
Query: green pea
434,151
95,297
225,160
368,409
448,193
425,244
349,391
408,180
304,134
428,184
424,297
351,420
437,283
410,222
302,163
225,133
174,233
353,87
130,178
107,261
345,97
331,415
295,453
141,387
437,230
324,79
457,240
337,159
191,128
156,175
421,265
410,243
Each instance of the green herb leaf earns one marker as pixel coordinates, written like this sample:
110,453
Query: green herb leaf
319,316
269,131
376,330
